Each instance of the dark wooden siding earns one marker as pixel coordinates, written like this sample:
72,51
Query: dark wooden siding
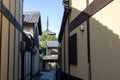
73,49
65,76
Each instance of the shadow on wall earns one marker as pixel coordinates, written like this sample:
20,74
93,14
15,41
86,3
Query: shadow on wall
102,37
105,49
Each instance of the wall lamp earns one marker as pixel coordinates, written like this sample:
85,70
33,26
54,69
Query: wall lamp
82,28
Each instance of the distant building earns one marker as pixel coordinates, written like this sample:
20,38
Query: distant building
47,31
52,54
52,48
32,28
51,57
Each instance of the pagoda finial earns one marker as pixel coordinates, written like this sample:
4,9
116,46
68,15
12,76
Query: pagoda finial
47,23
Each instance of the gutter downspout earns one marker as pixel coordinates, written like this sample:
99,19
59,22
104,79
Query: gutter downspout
22,50
31,67
88,48
68,38
68,47
22,65
88,45
22,55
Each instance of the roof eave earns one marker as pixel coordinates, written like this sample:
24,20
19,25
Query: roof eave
39,27
65,15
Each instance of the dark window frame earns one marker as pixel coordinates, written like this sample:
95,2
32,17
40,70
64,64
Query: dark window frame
73,49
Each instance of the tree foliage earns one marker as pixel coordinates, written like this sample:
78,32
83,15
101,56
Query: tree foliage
44,38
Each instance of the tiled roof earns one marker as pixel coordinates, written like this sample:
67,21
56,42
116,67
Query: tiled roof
49,32
31,17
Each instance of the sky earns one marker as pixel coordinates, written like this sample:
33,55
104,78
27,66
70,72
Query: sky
51,8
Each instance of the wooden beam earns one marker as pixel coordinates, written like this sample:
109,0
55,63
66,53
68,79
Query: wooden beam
10,17
93,8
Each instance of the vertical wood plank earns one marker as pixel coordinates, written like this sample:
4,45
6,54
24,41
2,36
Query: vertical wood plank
4,49
4,44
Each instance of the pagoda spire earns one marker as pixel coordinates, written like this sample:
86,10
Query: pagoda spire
47,24
47,31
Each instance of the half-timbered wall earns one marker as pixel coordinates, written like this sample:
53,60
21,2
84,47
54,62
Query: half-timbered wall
10,37
98,45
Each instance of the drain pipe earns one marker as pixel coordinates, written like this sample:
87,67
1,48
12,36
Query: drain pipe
88,45
31,67
22,50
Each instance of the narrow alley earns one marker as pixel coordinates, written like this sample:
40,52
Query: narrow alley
46,75
59,39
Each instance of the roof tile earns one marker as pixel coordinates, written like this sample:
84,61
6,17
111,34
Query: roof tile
31,17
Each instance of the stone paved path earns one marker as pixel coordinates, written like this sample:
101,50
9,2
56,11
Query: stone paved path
47,75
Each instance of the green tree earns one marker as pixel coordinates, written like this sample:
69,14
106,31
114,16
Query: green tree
44,38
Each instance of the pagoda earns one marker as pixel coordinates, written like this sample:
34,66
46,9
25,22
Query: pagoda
47,31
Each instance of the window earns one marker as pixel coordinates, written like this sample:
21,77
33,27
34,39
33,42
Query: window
73,49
